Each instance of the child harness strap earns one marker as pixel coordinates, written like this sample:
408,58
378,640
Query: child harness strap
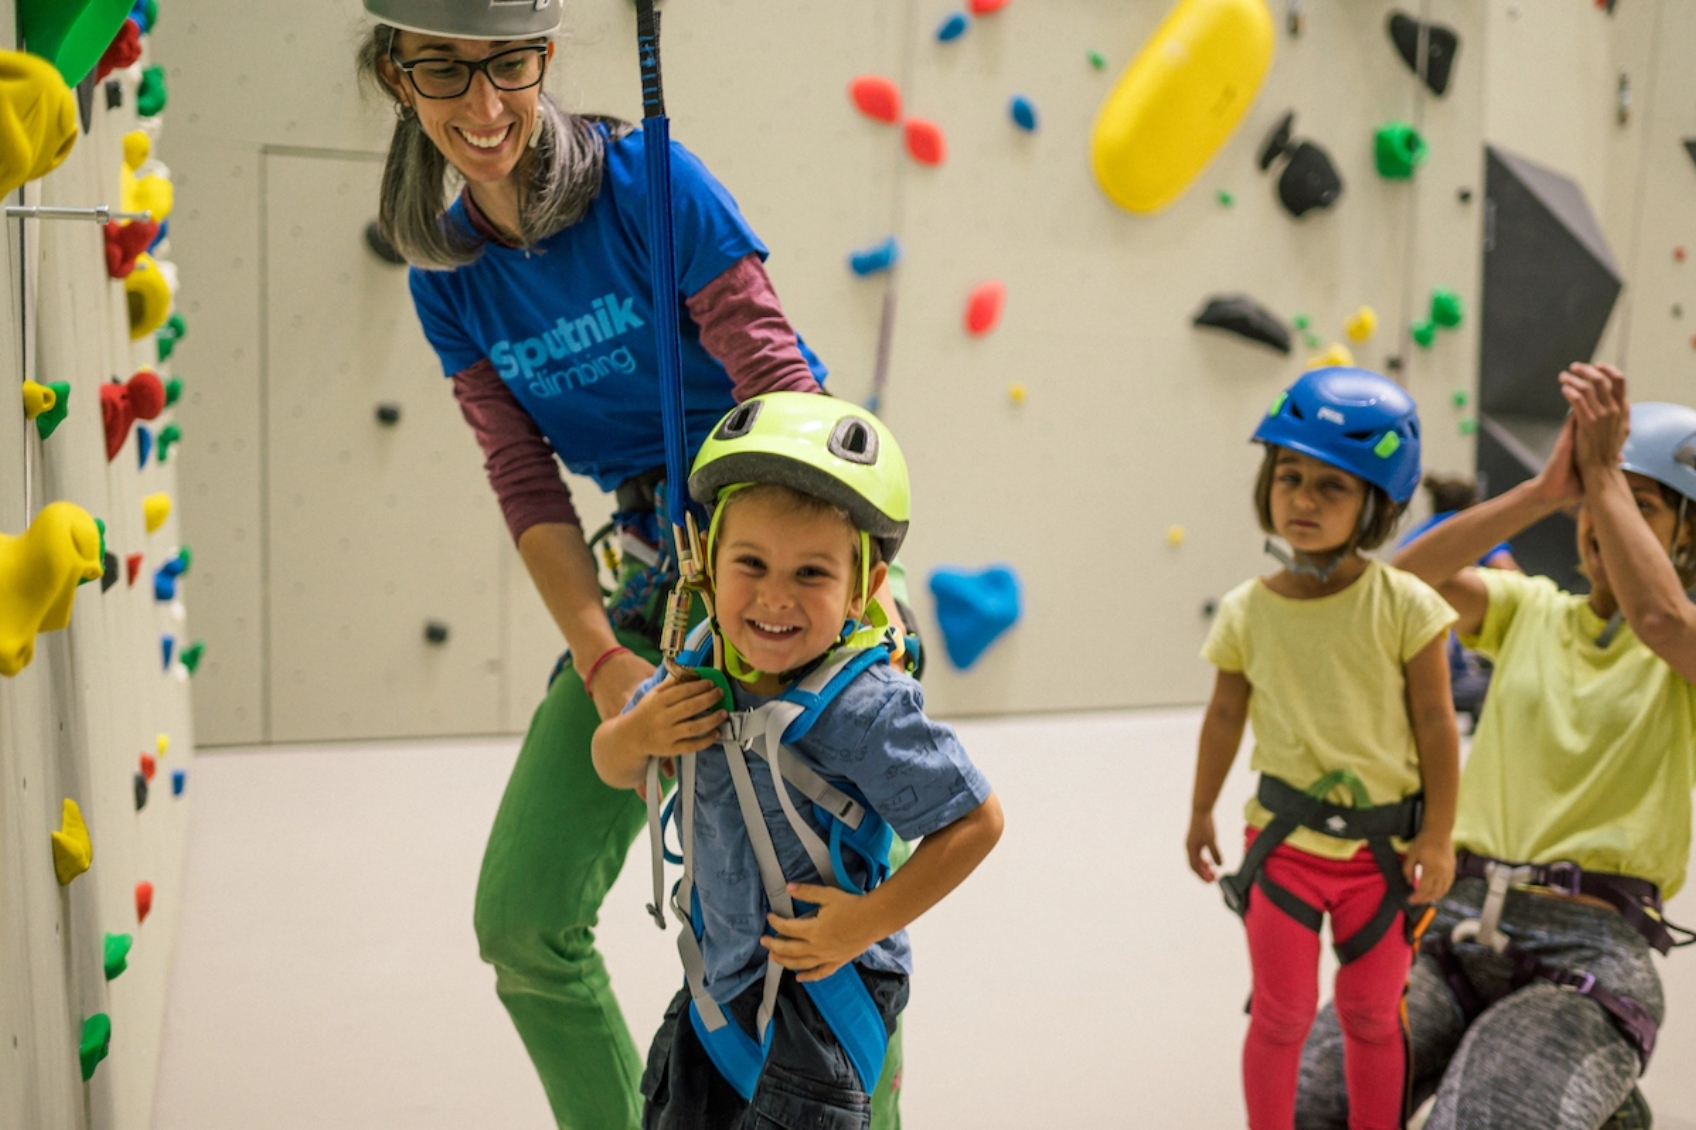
767,732
1292,808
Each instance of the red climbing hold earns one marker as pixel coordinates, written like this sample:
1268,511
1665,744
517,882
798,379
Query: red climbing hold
149,766
143,900
925,142
132,564
1678,255
987,7
877,97
983,309
142,397
123,51
124,242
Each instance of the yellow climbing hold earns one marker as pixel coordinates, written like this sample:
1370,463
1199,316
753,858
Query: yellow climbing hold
149,295
1016,393
152,193
156,508
1363,325
1335,354
38,398
39,573
1175,536
73,851
38,119
1180,99
163,744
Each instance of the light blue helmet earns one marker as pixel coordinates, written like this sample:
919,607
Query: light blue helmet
471,19
1355,419
1662,445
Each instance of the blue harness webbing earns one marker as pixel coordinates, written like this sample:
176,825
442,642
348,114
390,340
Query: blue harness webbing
767,732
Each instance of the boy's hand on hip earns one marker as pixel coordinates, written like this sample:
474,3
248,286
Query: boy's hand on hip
819,945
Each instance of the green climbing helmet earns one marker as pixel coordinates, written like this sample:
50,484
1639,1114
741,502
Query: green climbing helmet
817,445
471,19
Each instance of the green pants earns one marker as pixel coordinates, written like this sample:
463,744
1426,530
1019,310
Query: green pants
559,839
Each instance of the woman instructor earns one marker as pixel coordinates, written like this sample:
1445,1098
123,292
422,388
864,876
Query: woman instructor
1536,1002
532,286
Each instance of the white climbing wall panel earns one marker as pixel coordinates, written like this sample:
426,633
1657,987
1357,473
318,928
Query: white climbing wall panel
74,722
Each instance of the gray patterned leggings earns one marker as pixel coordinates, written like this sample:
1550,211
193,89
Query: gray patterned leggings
1542,1058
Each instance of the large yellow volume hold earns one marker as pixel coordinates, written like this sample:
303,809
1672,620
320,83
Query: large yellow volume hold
1178,102
73,851
39,573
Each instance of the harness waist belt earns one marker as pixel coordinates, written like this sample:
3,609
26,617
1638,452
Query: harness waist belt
1637,900
1399,821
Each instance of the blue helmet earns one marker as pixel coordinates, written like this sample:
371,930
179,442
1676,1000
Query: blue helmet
1354,419
1662,445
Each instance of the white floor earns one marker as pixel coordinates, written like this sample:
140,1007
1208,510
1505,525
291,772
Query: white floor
327,974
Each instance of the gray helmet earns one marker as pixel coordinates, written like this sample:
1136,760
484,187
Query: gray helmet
1662,445
471,19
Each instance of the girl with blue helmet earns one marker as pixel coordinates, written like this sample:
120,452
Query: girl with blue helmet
1339,661
1536,979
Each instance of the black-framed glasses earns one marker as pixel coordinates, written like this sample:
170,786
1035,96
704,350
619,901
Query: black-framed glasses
518,68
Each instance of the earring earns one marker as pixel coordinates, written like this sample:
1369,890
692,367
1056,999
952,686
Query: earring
404,111
536,134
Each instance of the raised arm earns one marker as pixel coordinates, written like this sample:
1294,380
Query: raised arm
1640,572
1443,556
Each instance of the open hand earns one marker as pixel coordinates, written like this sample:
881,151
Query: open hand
1201,842
1429,867
818,945
677,718
1601,412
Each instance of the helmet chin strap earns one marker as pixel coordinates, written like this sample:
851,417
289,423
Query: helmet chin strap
1304,565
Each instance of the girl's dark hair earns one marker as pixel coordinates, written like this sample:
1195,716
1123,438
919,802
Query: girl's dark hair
1684,560
1449,493
559,178
1385,513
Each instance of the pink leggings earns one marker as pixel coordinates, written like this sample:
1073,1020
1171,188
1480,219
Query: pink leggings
1285,956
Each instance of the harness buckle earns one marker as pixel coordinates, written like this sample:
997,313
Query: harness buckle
1583,987
659,915
1564,877
1337,825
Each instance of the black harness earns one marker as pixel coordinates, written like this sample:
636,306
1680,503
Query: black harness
1292,808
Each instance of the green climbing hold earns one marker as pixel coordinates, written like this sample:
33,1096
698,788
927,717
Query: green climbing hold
1225,198
173,391
49,421
1461,397
1424,333
1301,321
191,654
167,336
150,13
1311,339
151,95
169,435
101,526
1468,426
185,560
117,954
1446,308
1398,150
1098,60
96,1042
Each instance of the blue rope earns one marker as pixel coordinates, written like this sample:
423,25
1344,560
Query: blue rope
662,261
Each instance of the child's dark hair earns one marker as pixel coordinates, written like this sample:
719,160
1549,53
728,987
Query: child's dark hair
1450,493
1385,513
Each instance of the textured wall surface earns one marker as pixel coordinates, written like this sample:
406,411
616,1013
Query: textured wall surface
74,722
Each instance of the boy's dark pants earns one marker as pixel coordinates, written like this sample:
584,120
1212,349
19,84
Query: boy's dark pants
808,1081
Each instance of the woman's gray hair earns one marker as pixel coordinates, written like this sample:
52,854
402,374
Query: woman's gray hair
558,178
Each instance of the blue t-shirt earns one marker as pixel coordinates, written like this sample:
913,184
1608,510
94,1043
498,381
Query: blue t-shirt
876,737
568,324
1438,519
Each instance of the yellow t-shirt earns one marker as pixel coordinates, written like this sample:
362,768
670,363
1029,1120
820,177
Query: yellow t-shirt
1329,685
1583,753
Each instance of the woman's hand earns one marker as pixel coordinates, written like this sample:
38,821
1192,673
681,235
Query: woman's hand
1201,842
819,945
1429,867
616,681
1601,412
1558,484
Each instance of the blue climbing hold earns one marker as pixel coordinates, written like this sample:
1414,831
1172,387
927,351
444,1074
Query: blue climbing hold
143,443
161,237
166,645
165,578
179,781
953,27
974,609
1024,113
875,259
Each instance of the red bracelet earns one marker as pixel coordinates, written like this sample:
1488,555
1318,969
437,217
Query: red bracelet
594,668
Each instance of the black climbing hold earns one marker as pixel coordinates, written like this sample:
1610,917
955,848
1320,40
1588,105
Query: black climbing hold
1277,141
1209,608
436,632
1690,147
1441,46
140,792
1393,364
1241,315
85,101
388,414
1464,195
1309,181
380,245
114,94
110,571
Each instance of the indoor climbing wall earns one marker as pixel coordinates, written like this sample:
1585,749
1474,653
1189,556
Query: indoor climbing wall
96,735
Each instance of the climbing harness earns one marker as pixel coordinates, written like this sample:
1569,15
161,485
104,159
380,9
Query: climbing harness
769,733
1292,808
1637,900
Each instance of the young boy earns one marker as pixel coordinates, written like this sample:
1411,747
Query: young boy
810,500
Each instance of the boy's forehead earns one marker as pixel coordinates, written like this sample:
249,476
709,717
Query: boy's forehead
776,519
